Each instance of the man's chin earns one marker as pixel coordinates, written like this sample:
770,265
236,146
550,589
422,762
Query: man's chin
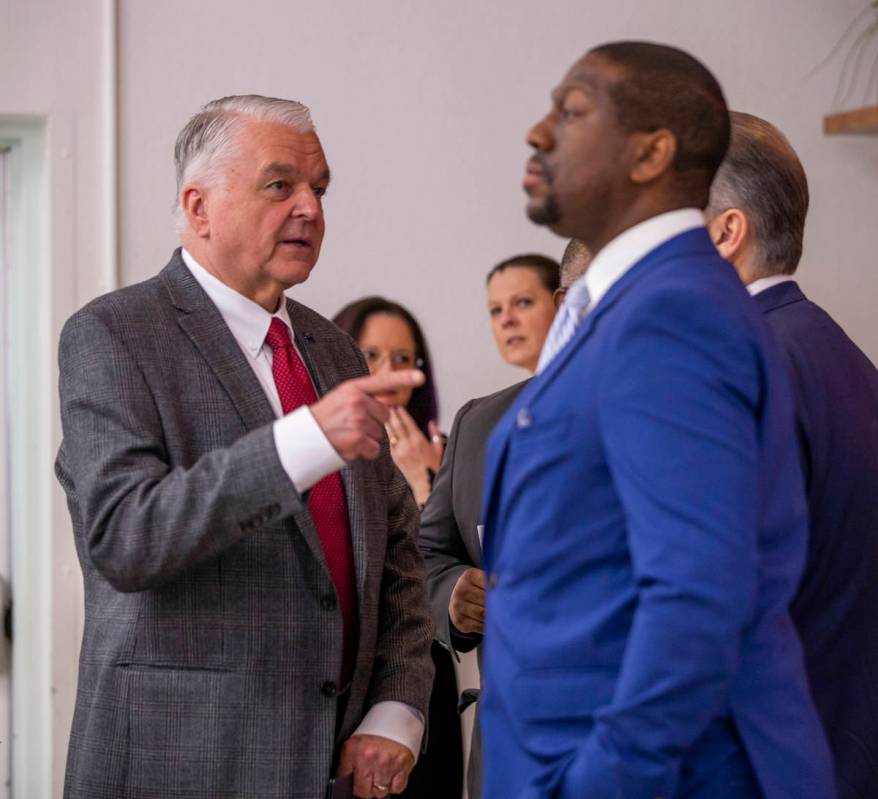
544,212
294,271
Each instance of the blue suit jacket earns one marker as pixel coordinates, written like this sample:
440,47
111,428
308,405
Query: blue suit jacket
835,388
645,531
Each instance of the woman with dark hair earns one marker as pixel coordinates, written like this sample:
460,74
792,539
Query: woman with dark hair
390,338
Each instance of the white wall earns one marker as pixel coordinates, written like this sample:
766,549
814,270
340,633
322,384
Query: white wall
53,80
423,108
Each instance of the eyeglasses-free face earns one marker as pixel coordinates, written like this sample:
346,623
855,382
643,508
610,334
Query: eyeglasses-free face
521,311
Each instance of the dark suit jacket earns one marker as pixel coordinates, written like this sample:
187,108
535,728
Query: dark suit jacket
836,609
212,630
449,539
645,532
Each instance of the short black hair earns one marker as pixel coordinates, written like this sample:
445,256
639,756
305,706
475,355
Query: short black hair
762,175
424,404
666,88
547,269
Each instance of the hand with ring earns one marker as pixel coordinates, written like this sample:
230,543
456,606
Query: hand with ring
381,767
412,452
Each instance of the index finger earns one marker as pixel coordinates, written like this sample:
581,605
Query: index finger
389,381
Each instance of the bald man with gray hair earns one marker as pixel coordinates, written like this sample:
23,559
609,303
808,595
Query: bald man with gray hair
255,612
756,216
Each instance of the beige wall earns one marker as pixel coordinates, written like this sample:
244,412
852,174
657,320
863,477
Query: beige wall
55,75
423,107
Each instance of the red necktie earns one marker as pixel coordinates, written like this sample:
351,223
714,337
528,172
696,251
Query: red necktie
327,500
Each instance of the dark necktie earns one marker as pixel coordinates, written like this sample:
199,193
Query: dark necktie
327,500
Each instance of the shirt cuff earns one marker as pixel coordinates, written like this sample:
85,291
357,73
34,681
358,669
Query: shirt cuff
303,449
397,721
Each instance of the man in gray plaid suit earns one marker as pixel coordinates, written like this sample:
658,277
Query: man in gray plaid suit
255,614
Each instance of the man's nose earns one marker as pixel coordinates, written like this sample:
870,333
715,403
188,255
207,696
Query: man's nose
307,205
540,135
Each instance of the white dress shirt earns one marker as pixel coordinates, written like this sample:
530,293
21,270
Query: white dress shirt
617,257
764,283
304,452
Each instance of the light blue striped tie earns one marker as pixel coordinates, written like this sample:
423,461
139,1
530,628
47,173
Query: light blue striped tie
564,326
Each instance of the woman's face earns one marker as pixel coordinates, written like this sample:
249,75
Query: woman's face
521,310
387,343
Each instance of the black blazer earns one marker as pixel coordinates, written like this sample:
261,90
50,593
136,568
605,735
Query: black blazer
449,538
836,609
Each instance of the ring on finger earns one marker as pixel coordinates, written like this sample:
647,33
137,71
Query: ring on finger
378,787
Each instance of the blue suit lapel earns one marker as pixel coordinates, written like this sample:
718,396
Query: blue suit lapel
691,242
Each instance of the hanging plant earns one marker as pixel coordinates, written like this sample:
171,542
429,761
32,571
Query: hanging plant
861,58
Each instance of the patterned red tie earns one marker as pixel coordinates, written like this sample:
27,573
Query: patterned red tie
327,500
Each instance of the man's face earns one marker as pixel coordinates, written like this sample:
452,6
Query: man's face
266,214
578,174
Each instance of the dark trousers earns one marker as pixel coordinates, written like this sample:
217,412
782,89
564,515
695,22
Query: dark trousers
439,771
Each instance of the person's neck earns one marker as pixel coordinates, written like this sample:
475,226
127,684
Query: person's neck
268,297
644,208
748,271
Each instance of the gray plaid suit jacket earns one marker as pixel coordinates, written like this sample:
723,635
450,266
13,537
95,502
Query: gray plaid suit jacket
213,635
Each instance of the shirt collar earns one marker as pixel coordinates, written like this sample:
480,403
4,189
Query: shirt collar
248,321
764,283
617,257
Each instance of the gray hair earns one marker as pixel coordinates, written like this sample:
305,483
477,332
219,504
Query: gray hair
207,140
763,177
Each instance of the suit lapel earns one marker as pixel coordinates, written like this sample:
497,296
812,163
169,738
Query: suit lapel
203,324
689,242
494,459
518,412
321,366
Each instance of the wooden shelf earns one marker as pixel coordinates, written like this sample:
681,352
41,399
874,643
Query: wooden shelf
861,120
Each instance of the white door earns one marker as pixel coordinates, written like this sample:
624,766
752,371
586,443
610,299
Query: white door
5,564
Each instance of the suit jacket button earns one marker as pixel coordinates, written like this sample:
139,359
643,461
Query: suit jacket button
328,602
492,580
524,419
329,688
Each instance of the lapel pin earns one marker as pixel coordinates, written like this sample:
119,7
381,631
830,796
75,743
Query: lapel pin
309,338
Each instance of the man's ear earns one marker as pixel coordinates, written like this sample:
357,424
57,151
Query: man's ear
193,201
729,231
653,155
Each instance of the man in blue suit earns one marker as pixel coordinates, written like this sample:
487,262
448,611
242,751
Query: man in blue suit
645,519
757,210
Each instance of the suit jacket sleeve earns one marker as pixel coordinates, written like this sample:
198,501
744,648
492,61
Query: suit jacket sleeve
678,416
442,545
144,522
403,668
